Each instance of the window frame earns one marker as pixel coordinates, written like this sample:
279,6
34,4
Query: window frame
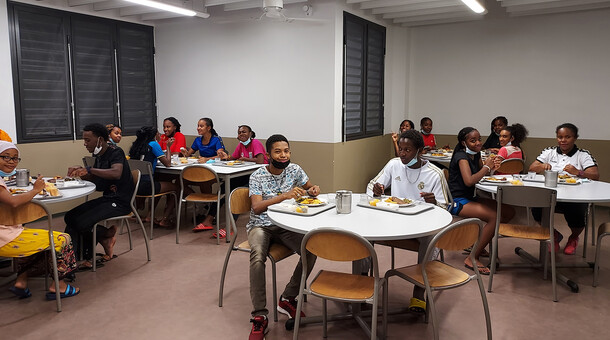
368,26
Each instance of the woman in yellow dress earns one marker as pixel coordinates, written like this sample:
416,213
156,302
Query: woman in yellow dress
27,245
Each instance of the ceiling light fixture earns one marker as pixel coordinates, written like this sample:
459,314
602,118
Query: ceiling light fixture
475,6
169,8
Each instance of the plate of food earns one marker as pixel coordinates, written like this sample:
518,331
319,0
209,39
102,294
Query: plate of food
309,201
401,202
438,154
496,179
569,181
17,191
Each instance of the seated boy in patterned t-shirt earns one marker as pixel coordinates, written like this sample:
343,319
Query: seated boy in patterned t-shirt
274,183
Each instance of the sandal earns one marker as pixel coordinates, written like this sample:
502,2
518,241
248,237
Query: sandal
166,222
21,293
417,306
202,227
480,268
69,292
222,232
468,250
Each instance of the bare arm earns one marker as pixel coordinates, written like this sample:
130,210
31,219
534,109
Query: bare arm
590,172
471,179
312,190
539,167
114,173
17,200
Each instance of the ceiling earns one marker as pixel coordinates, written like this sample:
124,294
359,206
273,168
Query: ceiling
408,13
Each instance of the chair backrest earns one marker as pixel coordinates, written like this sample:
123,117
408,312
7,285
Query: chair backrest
525,196
24,213
135,174
457,236
239,201
88,161
145,169
511,166
197,173
338,245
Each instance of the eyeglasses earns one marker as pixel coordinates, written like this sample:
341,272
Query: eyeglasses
9,158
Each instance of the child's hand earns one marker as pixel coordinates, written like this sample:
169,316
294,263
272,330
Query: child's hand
428,197
313,191
38,184
295,193
395,137
378,189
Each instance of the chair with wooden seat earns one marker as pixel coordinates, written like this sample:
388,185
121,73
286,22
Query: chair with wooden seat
603,231
534,197
30,212
433,275
125,219
336,244
239,203
511,166
146,170
198,174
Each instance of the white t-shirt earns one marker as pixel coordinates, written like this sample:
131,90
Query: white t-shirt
581,159
405,182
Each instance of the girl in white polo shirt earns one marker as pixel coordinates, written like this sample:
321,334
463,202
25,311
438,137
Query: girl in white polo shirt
567,158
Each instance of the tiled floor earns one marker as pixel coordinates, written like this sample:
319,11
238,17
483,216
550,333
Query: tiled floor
175,296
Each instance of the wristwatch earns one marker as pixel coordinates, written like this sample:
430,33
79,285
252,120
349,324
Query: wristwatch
581,173
88,169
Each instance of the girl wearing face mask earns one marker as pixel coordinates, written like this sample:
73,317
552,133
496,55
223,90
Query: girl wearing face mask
249,149
511,138
426,131
465,170
115,134
493,141
25,244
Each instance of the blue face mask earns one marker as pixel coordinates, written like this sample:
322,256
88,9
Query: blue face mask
412,161
246,142
4,174
470,152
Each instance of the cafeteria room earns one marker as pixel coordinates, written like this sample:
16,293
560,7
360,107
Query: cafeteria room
308,106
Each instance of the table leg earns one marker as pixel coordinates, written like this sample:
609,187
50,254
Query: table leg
228,215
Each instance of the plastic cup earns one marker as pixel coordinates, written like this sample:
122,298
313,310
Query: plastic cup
531,175
60,183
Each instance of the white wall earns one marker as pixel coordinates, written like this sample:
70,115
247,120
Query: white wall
276,77
540,71
7,103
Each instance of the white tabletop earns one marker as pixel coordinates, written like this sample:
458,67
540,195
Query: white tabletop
374,225
70,194
587,192
221,170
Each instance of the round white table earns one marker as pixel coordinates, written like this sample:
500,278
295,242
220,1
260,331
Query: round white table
68,194
587,192
372,224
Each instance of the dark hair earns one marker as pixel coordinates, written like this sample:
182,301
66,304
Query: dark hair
568,126
210,123
408,121
175,122
414,136
98,130
423,120
249,129
461,137
500,118
140,146
274,139
518,132
111,127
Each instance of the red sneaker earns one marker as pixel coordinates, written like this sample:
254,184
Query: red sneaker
570,248
288,307
259,327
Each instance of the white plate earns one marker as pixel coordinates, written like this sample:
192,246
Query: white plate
496,179
383,198
313,205
563,181
435,156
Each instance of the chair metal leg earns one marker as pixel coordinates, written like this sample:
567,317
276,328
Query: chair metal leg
485,306
392,261
324,319
494,259
598,249
152,215
224,271
592,214
179,214
384,308
275,299
143,233
129,231
433,315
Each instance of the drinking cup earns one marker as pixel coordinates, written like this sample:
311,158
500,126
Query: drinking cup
550,178
344,201
531,175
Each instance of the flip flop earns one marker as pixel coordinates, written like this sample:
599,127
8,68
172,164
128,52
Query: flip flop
479,268
106,258
468,250
202,227
222,233
417,306
70,291
88,267
21,293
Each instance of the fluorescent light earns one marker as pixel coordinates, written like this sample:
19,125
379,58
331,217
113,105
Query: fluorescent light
165,7
474,5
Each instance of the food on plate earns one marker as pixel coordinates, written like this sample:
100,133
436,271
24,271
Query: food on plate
183,160
496,179
571,180
15,191
308,200
51,189
396,200
437,154
516,182
301,209
374,202
564,176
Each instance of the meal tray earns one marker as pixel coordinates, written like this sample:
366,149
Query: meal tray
224,163
311,211
410,210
